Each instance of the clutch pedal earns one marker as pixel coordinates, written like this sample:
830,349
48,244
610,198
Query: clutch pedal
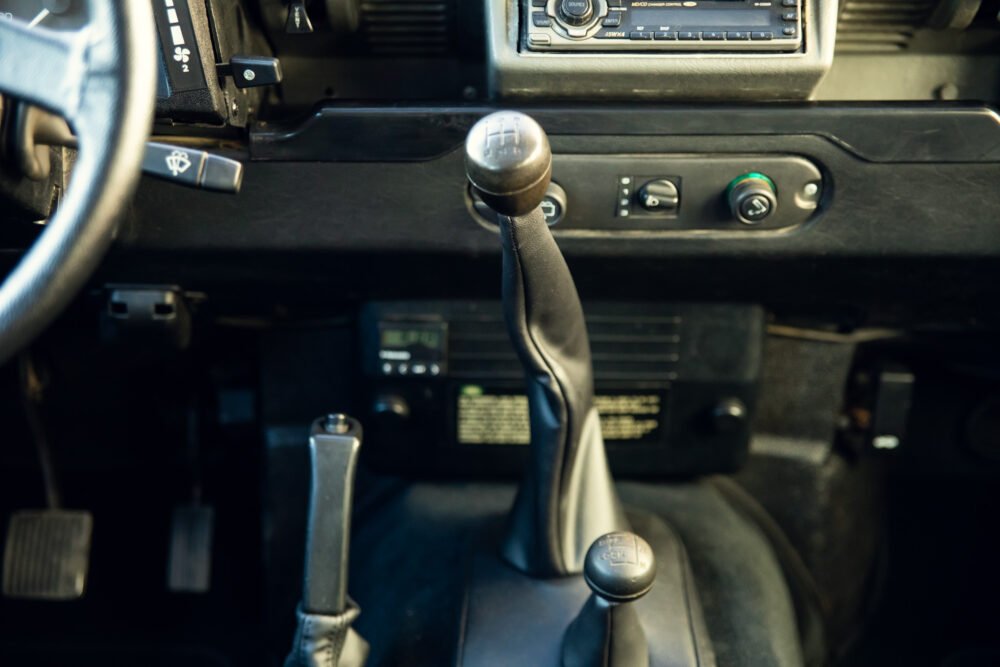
47,554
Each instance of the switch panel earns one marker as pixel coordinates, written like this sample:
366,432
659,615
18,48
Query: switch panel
678,194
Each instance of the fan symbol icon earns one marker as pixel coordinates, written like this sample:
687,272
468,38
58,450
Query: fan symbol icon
182,55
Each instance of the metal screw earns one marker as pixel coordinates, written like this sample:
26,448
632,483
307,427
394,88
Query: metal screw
946,92
336,423
810,190
249,74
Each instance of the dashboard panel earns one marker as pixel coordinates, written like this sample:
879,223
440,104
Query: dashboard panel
664,153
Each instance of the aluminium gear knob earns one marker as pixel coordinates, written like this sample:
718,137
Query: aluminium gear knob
509,162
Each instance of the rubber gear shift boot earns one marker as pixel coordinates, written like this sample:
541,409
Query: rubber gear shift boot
566,499
323,640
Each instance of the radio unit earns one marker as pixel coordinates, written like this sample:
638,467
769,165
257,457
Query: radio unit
662,25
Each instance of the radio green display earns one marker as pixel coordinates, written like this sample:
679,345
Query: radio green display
405,338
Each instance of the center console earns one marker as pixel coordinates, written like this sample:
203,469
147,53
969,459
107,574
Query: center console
674,386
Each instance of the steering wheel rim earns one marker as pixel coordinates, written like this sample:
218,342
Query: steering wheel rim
102,79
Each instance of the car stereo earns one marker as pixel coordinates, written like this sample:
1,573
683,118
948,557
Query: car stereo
662,25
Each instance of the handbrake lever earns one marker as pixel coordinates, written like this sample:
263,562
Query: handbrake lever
324,637
32,127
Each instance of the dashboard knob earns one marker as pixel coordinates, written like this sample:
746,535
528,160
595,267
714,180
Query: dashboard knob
575,12
729,416
509,162
659,196
752,198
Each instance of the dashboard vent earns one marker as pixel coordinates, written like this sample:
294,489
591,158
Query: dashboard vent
406,27
880,25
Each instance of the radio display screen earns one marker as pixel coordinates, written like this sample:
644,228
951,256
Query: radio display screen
412,348
413,337
671,18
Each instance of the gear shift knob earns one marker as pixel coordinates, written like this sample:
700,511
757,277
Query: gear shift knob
509,162
620,567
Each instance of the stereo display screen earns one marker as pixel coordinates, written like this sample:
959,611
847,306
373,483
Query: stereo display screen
670,19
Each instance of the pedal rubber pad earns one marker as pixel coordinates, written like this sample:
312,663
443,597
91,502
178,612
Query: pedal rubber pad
189,569
47,554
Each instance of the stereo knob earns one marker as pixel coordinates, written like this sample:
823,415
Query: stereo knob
752,198
576,12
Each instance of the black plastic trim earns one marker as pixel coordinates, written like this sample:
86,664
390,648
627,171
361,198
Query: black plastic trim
876,133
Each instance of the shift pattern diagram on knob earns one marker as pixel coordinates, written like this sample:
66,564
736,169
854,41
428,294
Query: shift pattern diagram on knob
508,162
502,136
620,567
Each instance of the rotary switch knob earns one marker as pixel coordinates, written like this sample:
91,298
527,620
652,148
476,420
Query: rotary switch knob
659,196
575,12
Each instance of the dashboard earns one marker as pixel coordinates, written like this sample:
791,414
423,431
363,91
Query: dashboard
776,214
772,151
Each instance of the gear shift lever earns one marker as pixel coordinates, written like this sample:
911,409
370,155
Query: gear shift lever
620,570
566,499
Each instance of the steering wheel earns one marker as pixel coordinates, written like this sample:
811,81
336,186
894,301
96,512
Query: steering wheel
102,79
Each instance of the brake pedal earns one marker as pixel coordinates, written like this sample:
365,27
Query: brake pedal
47,554
190,564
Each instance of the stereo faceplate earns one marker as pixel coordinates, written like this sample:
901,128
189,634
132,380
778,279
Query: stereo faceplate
662,25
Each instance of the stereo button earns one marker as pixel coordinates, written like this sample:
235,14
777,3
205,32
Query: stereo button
788,32
540,20
713,35
576,12
689,36
790,16
664,35
739,35
762,36
640,35
613,21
